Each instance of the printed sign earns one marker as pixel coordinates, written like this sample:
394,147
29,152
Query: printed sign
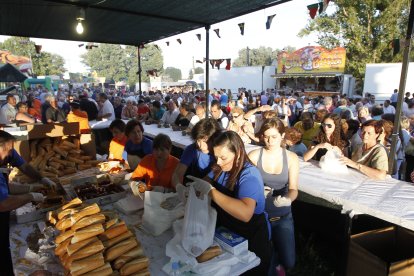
312,59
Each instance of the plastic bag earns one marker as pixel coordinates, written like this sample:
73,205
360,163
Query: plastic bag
199,224
331,164
157,220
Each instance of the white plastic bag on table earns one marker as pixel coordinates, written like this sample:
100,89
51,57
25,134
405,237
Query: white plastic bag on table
331,164
199,224
157,220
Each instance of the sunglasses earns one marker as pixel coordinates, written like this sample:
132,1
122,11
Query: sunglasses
327,125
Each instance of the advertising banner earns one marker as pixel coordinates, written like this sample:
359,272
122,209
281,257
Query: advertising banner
312,59
22,63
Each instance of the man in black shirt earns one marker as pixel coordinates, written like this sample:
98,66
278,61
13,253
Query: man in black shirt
89,107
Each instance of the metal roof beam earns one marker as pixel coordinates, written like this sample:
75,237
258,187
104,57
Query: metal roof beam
122,11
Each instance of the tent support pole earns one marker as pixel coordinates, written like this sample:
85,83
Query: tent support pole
401,91
139,70
207,77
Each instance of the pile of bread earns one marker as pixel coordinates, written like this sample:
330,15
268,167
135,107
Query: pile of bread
94,242
56,157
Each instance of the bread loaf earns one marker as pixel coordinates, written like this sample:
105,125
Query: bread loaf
61,248
89,220
134,266
87,251
87,232
105,270
65,223
85,265
72,248
87,211
113,232
66,212
64,235
120,248
118,239
209,254
110,223
144,272
50,216
126,257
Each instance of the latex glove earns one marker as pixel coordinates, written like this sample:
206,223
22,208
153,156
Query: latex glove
200,185
37,197
282,201
182,192
134,185
48,183
36,187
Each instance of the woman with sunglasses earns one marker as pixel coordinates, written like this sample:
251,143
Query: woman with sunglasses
239,125
237,193
374,160
281,180
330,137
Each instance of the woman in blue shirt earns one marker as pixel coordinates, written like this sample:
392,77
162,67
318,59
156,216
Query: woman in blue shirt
237,193
197,158
137,145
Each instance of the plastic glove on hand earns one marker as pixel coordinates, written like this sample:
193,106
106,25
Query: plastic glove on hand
137,187
200,185
182,192
282,201
48,183
37,197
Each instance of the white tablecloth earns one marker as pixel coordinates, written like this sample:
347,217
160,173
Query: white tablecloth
390,200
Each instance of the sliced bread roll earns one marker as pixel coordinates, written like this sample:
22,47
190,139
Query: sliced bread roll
118,239
120,248
85,265
87,232
128,256
134,266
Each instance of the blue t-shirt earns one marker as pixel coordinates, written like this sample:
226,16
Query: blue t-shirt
159,114
142,149
224,99
198,163
14,160
249,185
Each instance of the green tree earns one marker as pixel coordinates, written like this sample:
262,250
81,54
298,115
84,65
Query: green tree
365,28
197,70
173,73
262,56
44,64
121,63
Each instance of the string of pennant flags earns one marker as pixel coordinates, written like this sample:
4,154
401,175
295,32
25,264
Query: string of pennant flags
241,27
319,7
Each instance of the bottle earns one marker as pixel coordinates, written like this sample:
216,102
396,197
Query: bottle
175,268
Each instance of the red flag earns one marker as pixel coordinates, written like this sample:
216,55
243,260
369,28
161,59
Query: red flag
313,9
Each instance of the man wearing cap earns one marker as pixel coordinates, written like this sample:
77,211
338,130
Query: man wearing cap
79,116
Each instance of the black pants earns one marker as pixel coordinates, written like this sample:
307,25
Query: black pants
6,266
409,159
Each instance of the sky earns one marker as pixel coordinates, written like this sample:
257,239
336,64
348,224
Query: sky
290,18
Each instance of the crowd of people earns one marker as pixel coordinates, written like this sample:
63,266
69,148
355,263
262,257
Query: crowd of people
251,192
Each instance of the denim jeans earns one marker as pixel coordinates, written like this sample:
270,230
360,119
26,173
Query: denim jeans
283,237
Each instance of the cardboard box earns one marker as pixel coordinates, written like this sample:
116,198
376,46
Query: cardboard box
230,241
52,130
388,251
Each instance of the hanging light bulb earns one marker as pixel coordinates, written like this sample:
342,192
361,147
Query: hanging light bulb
79,27
81,16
